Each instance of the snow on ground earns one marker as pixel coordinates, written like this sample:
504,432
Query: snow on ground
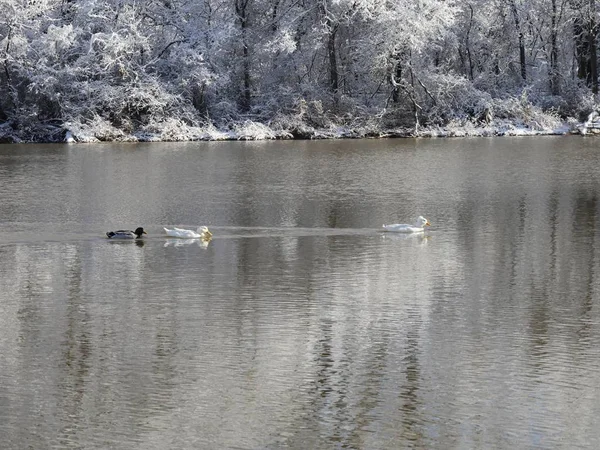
257,131
173,130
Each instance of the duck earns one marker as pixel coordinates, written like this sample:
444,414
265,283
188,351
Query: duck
126,234
417,227
201,233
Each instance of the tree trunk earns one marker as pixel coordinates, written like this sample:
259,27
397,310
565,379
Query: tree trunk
468,45
6,51
593,49
332,28
522,60
396,77
581,49
10,89
274,18
241,10
585,32
399,58
331,52
554,73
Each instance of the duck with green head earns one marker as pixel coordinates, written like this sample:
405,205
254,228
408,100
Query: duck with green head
126,234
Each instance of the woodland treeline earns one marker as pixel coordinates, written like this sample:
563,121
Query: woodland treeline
186,69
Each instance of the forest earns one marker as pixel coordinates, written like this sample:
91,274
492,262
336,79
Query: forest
170,70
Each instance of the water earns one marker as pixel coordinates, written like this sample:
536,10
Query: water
301,325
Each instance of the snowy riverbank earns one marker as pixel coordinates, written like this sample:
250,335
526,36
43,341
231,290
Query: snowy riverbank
249,130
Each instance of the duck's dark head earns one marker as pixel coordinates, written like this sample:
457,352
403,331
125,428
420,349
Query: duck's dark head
138,232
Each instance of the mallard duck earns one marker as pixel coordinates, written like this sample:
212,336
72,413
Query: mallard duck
200,233
418,226
126,234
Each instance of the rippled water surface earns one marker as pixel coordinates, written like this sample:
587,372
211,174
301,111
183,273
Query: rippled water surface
301,325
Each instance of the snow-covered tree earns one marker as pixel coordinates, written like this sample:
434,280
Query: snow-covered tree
116,68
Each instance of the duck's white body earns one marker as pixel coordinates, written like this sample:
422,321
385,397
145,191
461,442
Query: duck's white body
417,227
200,233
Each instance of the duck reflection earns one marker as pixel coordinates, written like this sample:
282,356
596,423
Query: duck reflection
203,243
420,238
138,242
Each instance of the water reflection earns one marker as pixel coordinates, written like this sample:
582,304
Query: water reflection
178,242
138,242
420,238
285,332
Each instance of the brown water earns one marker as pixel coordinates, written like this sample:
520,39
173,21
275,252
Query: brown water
301,325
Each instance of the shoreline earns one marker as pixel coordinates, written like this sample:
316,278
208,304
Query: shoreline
259,132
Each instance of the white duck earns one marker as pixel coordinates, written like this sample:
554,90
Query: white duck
418,226
200,233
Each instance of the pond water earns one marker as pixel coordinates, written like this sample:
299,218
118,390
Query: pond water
301,325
